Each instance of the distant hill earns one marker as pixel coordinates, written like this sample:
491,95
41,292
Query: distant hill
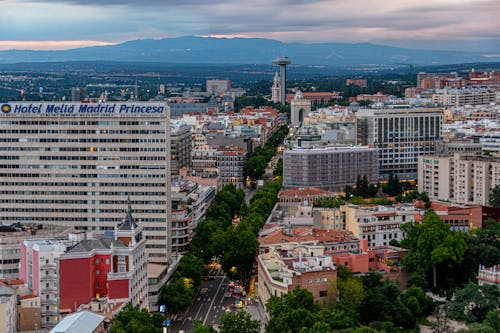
204,50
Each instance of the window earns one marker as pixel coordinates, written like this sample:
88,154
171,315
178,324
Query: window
310,281
97,272
323,293
97,261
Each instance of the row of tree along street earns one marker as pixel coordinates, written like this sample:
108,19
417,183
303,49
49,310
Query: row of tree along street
442,260
228,234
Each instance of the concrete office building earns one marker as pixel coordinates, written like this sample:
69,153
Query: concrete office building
401,136
75,164
329,168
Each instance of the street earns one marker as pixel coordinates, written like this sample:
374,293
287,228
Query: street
211,301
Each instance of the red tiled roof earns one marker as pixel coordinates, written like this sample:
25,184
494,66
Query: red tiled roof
303,191
306,235
29,296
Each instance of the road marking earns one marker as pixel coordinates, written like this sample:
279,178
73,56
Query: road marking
211,304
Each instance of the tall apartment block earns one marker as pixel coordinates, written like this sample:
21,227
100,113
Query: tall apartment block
39,270
464,179
75,164
329,168
180,146
401,136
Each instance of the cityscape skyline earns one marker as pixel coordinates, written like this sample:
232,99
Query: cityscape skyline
442,24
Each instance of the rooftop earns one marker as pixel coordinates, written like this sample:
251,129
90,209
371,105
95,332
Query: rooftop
80,322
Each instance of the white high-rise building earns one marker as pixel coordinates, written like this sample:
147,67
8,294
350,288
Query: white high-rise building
76,164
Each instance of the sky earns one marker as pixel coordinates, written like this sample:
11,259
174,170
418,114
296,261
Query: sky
470,25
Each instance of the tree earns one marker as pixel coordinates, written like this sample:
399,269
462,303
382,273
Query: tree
199,328
278,169
393,186
240,249
191,267
431,244
131,319
239,322
495,197
292,313
177,296
473,302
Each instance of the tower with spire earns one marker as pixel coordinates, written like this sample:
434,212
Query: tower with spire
275,89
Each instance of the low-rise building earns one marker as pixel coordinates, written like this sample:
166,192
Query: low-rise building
28,313
288,266
377,224
81,322
489,275
8,302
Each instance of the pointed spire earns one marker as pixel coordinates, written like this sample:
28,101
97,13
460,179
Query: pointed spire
129,222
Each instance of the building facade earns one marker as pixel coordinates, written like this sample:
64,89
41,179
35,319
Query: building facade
299,108
329,168
401,136
288,266
39,271
8,315
461,97
465,179
74,164
180,147
231,164
115,268
377,224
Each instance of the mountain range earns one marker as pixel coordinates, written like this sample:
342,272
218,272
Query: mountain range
208,50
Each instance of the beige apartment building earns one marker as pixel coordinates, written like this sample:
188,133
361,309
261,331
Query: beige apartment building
75,164
465,179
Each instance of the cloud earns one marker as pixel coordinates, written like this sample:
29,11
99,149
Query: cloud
287,20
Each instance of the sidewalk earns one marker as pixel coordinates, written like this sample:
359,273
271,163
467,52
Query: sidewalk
256,310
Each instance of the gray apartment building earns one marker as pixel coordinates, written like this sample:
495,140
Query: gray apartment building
180,146
330,168
401,135
75,164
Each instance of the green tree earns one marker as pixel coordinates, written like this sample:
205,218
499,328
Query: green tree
292,313
278,169
177,296
473,302
495,197
493,319
131,319
393,186
239,322
199,328
240,249
191,267
430,245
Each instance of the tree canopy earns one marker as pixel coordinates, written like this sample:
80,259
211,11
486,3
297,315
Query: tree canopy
432,246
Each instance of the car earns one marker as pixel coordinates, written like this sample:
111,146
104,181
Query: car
203,291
